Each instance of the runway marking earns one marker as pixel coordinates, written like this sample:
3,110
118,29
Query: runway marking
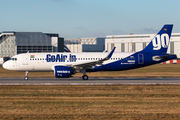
91,81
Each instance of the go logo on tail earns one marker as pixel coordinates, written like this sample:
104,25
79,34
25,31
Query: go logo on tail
160,41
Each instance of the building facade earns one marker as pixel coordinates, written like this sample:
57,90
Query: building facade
12,43
86,44
134,43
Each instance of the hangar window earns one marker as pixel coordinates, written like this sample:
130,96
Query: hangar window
144,45
172,47
134,47
122,47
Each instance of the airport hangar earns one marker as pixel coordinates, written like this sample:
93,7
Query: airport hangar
13,43
85,44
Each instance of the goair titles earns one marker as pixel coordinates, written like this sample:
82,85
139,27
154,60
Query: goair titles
60,58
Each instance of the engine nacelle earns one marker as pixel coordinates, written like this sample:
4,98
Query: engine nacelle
62,71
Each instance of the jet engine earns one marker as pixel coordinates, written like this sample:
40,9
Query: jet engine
62,71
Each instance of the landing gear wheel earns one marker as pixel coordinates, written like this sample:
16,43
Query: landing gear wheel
85,77
26,78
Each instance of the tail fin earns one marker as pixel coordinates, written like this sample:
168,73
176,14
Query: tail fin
160,43
66,48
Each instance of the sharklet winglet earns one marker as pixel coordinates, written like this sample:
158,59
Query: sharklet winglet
111,53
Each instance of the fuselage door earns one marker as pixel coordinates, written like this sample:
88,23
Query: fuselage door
25,59
140,58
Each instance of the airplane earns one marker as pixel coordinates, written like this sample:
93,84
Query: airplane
66,64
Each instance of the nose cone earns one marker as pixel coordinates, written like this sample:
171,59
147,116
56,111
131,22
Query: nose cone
7,66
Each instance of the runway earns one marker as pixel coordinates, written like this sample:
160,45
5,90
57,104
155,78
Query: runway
91,81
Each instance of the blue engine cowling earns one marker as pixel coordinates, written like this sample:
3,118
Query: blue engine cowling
62,71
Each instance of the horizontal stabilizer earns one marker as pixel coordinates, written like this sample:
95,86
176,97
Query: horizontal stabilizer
165,56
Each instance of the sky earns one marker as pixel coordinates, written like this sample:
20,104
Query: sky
89,18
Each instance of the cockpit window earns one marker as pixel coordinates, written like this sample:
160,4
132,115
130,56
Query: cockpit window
13,59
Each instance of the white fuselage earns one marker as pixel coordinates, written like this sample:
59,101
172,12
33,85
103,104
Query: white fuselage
39,62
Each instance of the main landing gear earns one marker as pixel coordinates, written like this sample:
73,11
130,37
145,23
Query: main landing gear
26,76
84,77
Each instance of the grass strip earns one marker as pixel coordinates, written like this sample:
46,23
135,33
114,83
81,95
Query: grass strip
133,102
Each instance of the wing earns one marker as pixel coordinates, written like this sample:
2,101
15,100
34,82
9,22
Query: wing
89,65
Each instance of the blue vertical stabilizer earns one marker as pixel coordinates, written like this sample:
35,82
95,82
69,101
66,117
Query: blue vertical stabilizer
160,42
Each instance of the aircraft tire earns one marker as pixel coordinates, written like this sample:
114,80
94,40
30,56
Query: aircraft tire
85,77
26,78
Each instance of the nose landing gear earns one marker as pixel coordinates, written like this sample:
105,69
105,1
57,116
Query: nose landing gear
26,76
